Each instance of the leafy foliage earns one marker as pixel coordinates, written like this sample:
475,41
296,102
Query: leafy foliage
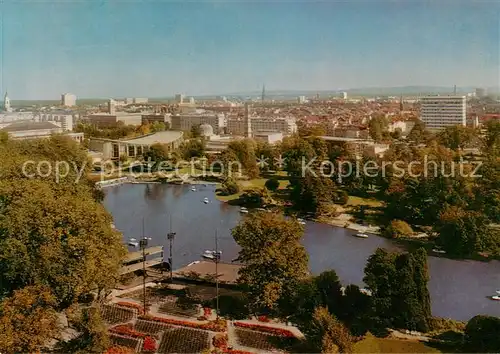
482,334
274,259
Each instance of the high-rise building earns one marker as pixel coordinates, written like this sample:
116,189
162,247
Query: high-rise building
343,95
480,92
111,106
6,103
68,100
179,98
439,112
301,99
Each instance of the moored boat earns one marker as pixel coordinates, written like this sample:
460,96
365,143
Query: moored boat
361,235
243,210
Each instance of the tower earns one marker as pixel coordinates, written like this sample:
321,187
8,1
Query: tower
401,106
111,107
247,122
6,103
263,93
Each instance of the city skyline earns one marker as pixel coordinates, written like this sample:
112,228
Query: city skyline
155,49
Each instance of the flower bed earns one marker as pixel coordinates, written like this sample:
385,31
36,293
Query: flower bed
171,307
271,330
113,314
151,328
127,330
117,349
125,341
132,305
260,340
214,326
184,340
207,312
149,345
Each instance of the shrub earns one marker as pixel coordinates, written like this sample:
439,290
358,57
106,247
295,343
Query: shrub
341,197
398,228
230,187
272,184
233,306
266,329
117,349
482,334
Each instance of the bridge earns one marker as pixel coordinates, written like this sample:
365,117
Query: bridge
134,260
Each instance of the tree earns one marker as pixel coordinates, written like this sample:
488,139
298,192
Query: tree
256,197
378,128
245,150
158,127
274,260
157,152
310,191
93,335
196,131
492,137
397,229
193,148
457,137
329,291
356,310
328,335
230,187
418,134
27,320
463,232
482,334
399,289
272,184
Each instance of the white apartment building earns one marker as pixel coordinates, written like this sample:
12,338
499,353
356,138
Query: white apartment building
68,100
439,112
285,125
62,119
185,122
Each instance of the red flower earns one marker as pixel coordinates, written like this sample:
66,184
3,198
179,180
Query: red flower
263,318
132,305
149,345
214,326
127,330
271,330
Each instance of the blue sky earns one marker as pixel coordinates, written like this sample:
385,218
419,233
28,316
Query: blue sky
157,48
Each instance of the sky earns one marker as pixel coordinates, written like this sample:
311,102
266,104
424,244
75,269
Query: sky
158,48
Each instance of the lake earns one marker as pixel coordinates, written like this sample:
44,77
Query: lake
459,289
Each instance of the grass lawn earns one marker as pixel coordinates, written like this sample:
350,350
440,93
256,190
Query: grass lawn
372,344
355,201
253,183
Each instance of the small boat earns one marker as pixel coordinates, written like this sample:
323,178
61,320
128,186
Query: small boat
210,254
361,235
205,200
243,210
193,189
495,297
133,244
437,250
301,221
498,292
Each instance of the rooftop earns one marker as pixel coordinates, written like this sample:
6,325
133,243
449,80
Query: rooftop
164,137
29,125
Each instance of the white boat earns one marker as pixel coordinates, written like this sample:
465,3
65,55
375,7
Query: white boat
193,189
498,292
361,235
437,250
133,244
205,200
243,210
210,254
495,297
301,221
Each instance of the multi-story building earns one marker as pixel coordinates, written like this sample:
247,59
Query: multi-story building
185,122
237,126
37,130
179,98
480,92
68,100
63,119
141,100
155,117
301,99
439,112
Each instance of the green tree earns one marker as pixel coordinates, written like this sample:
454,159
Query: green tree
27,320
230,187
399,289
193,148
329,291
492,137
274,260
457,137
463,232
245,150
419,134
195,131
482,334
378,126
158,127
157,152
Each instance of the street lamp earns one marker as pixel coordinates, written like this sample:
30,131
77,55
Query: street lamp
143,244
170,238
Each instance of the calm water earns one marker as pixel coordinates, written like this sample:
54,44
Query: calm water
459,289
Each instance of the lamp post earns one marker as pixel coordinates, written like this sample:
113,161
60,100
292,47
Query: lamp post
170,238
217,259
143,244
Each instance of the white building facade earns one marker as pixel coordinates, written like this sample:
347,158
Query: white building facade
68,100
440,112
287,126
185,122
